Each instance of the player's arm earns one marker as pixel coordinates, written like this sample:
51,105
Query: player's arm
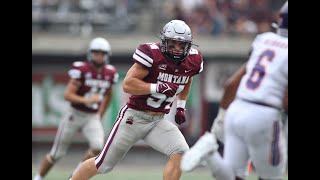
231,86
229,93
105,102
71,95
108,96
183,95
133,83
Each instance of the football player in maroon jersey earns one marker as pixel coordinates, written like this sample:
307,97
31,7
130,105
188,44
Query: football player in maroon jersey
161,72
89,92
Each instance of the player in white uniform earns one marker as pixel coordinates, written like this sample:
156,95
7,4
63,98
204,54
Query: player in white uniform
253,126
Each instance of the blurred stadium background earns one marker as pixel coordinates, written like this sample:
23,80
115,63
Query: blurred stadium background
62,29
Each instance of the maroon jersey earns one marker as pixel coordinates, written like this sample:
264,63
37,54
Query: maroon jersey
162,70
92,82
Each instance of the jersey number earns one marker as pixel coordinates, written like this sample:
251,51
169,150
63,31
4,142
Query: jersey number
259,69
93,91
155,100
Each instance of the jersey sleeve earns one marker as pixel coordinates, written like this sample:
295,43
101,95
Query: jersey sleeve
259,38
75,72
143,56
196,61
201,66
115,76
200,62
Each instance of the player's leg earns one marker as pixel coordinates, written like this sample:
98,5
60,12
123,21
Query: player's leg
121,138
90,153
268,150
86,170
172,168
45,166
233,164
206,145
284,118
67,128
236,155
165,137
93,131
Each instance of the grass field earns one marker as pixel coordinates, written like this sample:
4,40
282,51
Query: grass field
134,174
138,164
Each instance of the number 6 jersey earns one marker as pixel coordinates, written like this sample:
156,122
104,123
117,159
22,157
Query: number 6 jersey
266,75
162,70
92,82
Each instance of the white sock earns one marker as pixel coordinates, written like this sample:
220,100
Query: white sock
37,177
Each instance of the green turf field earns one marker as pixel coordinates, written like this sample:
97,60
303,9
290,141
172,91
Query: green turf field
133,174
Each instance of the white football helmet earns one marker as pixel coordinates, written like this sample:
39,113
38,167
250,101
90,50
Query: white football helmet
99,44
179,31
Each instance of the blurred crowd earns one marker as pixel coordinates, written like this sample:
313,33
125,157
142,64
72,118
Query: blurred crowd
217,17
213,17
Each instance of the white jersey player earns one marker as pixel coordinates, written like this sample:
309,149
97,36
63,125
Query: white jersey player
253,126
267,69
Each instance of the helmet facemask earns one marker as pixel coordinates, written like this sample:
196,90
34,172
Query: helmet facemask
176,30
99,45
95,62
175,57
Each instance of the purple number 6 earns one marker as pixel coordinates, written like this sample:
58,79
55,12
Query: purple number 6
259,69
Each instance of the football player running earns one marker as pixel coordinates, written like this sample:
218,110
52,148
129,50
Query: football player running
161,72
89,92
